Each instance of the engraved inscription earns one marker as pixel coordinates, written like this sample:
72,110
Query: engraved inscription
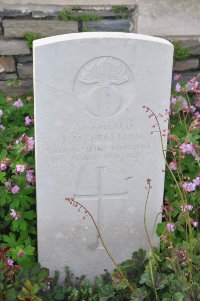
100,140
99,197
100,85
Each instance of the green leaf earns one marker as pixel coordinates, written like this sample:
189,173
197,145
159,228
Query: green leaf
178,297
29,215
161,227
10,239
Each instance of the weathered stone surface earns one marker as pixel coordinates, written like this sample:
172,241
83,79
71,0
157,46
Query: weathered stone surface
21,89
122,25
93,143
13,47
189,64
192,44
14,12
24,59
7,76
17,28
7,64
25,70
169,17
72,2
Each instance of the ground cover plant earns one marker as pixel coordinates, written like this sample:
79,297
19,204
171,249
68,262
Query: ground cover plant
171,272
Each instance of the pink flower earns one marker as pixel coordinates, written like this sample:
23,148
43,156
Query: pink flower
3,166
187,148
197,181
172,165
185,105
20,168
15,189
2,127
186,207
177,77
30,176
178,87
171,227
10,262
30,143
14,214
173,101
195,223
1,113
189,187
28,120
18,103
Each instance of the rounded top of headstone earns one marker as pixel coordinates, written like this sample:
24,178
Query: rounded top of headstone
98,35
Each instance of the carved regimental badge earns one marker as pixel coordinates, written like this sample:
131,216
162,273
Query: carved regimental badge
104,86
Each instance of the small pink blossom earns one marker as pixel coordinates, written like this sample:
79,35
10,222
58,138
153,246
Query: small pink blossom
14,214
172,165
28,120
197,181
171,227
18,103
193,84
15,189
177,77
178,87
195,223
197,116
192,109
10,262
30,143
198,103
2,127
187,148
20,168
173,100
186,207
3,166
30,176
185,105
189,186
1,112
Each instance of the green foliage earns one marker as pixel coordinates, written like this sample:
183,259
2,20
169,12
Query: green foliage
121,11
180,53
170,273
30,37
19,234
68,15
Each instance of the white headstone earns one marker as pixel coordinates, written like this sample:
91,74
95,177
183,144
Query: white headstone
93,143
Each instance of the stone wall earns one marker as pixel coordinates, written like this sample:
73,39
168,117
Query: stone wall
156,17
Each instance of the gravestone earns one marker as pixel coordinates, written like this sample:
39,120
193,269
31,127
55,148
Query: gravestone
93,143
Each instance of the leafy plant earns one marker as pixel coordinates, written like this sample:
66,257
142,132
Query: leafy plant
30,37
68,15
121,11
180,53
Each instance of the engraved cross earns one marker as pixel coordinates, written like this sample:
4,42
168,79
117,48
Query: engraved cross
99,197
